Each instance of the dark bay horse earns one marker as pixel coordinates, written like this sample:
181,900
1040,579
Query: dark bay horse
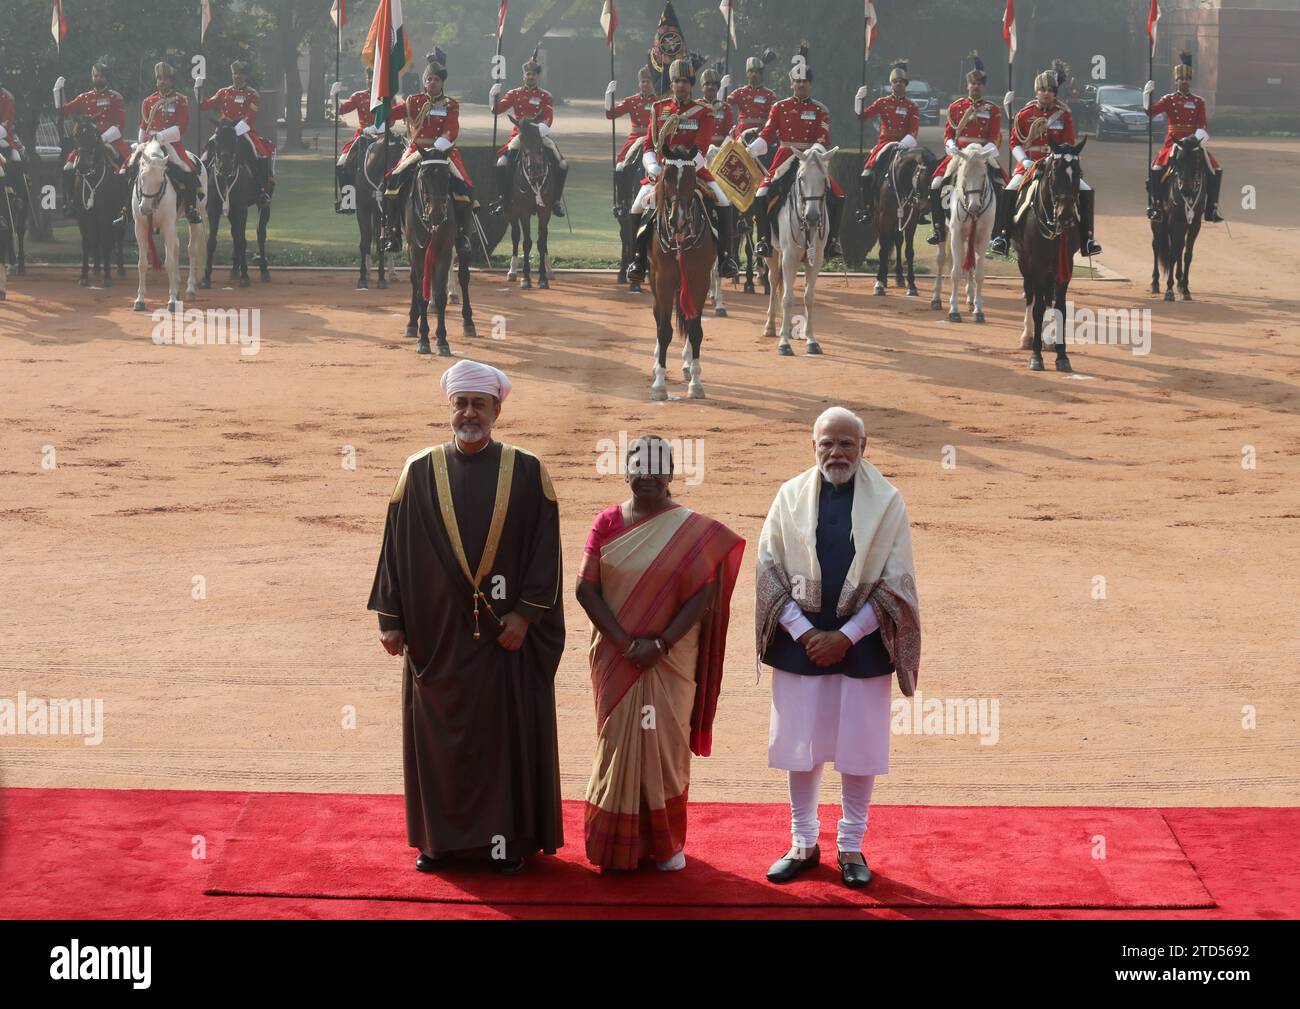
1181,200
430,228
368,163
15,209
98,193
745,235
1046,237
903,195
627,185
682,255
532,191
232,191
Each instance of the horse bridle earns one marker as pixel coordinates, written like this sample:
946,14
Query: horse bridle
527,157
1191,207
91,190
425,206
801,201
1049,216
682,241
156,198
985,190
907,209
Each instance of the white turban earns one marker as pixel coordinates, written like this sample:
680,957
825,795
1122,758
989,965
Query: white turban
470,376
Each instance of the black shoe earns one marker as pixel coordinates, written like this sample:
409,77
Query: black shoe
636,272
496,207
1091,247
833,249
855,875
1212,215
1000,246
510,867
264,198
428,863
728,268
393,242
193,216
338,209
557,211
784,869
763,247
463,249
1154,214
69,210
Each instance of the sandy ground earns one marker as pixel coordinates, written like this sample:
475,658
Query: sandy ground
175,463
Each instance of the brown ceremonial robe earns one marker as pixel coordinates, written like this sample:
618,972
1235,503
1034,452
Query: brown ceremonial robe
480,755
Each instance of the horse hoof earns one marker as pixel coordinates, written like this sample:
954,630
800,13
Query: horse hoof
784,350
879,289
526,285
205,283
121,271
1063,363
979,316
83,282
1169,296
898,282
171,306
1155,288
695,391
544,285
108,280
748,288
468,330
363,285
265,276
814,347
138,306
244,282
1035,362
936,303
1026,342
634,288
453,299
423,346
912,292
954,317
381,284
411,331
1187,296
444,349
658,393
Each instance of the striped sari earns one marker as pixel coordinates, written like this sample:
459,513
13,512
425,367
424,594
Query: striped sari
650,721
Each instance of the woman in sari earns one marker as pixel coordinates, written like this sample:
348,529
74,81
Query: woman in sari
656,581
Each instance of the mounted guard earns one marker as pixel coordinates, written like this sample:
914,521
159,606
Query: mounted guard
239,103
797,123
971,120
358,102
433,119
106,109
164,116
753,100
526,102
900,120
1042,124
638,108
681,129
1186,116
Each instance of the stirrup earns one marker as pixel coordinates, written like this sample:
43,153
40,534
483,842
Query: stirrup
1000,246
1091,247
637,271
936,237
762,247
1153,213
728,268
193,216
557,210
833,248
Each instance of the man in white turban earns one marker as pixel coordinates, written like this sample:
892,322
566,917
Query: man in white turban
467,589
837,614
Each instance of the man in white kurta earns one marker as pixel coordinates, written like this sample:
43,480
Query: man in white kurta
837,617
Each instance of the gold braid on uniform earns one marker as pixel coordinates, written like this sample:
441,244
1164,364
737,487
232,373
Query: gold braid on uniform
965,118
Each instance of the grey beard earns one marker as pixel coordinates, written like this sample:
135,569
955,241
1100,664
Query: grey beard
839,478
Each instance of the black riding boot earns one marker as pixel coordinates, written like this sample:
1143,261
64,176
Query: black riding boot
834,210
464,225
187,188
501,185
393,220
727,265
762,227
1212,198
341,177
636,273
940,218
867,196
69,200
124,217
1001,246
1154,177
1087,207
561,170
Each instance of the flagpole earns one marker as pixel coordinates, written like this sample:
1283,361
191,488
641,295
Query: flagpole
338,51
866,54
1151,58
613,132
726,59
500,31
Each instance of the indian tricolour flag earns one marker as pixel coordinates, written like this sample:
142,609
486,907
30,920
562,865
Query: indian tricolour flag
388,52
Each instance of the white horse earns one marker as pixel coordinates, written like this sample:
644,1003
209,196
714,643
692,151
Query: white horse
801,233
970,225
156,204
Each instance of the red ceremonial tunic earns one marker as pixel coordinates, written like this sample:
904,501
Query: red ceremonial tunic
1059,130
753,105
694,132
796,125
235,104
898,118
724,121
638,108
8,110
436,117
524,103
358,102
106,109
984,127
1185,114
157,113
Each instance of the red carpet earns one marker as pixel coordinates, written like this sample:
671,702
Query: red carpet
88,853
354,846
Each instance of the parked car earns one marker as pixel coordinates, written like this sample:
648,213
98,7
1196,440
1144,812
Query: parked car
926,98
1118,112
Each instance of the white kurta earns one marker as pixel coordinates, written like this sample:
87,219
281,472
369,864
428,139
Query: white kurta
833,718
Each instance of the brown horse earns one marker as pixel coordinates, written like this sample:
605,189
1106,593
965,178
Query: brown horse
1046,237
430,226
532,191
682,253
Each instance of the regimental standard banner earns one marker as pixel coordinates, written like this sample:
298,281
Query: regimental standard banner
738,173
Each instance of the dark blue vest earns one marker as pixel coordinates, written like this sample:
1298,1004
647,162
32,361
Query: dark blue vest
868,657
